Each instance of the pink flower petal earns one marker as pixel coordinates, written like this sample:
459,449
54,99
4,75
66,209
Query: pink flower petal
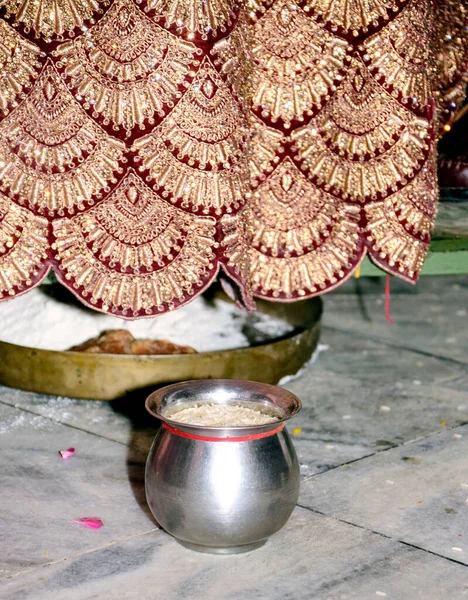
67,453
91,522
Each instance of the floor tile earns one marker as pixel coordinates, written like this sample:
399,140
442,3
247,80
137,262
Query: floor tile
362,396
431,317
417,493
41,493
312,557
124,421
410,575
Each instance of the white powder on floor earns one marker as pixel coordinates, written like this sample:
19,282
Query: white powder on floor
288,378
39,320
24,421
221,415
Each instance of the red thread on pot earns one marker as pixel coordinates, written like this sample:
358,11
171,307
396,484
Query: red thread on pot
205,438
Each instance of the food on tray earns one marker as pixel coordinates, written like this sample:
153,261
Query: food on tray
221,415
121,341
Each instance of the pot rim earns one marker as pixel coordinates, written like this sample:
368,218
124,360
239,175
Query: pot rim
282,399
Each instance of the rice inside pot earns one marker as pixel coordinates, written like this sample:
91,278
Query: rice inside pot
221,415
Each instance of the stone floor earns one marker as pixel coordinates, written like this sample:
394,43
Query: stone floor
383,446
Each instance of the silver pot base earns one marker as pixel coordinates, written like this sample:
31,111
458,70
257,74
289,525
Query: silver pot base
223,550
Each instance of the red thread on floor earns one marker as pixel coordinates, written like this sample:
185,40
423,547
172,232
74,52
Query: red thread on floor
387,300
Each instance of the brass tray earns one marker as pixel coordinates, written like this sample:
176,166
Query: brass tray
110,376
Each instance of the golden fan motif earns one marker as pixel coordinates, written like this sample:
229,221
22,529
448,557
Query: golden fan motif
135,254
52,19
203,18
20,64
354,18
23,249
53,156
196,157
126,70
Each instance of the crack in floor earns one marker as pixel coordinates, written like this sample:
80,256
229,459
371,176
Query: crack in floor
383,535
79,554
378,452
52,420
392,344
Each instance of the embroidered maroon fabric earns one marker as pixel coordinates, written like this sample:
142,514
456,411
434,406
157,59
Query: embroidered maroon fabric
123,160
130,165
345,124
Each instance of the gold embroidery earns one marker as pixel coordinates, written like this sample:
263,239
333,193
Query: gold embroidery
232,56
266,148
53,18
451,42
296,64
366,142
290,216
133,228
363,144
197,155
399,227
20,62
23,248
201,17
354,17
134,253
129,250
362,121
401,57
308,274
340,161
303,239
52,156
237,234
126,69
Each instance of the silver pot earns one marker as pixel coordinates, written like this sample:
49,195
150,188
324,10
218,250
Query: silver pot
222,490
